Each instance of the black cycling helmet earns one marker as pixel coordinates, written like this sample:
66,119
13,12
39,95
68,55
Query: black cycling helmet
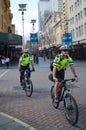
64,47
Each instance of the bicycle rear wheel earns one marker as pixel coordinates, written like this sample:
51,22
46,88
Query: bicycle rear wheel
29,88
71,109
56,105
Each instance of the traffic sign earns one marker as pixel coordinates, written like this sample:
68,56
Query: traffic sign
33,39
67,38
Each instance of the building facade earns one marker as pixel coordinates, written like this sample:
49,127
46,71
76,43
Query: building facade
77,9
44,9
71,20
6,16
77,26
56,5
8,39
57,27
65,19
47,10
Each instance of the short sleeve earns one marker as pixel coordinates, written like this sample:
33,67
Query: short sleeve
70,60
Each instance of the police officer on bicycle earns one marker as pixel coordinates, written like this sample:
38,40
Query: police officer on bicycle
24,64
59,66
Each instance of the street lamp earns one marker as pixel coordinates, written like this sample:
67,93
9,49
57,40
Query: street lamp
22,8
66,22
33,21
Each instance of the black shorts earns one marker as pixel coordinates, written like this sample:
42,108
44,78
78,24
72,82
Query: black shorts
60,74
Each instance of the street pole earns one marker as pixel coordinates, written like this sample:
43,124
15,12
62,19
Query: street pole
33,21
22,8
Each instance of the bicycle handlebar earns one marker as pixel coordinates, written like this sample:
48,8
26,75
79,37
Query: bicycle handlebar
26,70
50,77
72,79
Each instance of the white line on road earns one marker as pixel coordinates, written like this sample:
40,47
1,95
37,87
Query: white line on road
16,120
1,75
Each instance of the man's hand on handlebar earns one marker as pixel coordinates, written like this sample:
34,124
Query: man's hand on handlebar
76,79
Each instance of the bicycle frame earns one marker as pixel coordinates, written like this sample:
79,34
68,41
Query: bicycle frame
25,76
64,89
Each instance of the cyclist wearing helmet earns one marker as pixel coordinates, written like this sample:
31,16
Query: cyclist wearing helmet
59,66
24,63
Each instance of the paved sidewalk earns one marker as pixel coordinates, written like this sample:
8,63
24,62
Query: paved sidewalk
9,123
44,116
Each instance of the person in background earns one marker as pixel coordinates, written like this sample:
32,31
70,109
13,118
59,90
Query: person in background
7,61
3,60
24,64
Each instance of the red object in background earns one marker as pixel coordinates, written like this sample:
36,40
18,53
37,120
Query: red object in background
37,47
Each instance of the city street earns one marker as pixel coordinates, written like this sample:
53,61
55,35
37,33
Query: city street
37,110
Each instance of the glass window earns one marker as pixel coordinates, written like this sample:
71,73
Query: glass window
76,32
81,14
78,16
70,9
85,11
80,1
81,29
73,33
85,28
75,5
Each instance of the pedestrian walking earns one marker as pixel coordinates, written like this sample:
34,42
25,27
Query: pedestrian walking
3,60
7,60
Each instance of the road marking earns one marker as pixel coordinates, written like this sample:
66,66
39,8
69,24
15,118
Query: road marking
17,121
1,75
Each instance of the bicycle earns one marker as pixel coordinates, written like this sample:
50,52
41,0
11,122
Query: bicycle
69,103
27,84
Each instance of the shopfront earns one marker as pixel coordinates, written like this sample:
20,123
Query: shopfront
8,43
78,50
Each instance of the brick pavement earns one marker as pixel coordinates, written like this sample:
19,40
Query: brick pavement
38,111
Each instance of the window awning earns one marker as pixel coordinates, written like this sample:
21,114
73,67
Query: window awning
10,39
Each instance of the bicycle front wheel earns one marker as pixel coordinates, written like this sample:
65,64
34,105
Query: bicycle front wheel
71,109
29,88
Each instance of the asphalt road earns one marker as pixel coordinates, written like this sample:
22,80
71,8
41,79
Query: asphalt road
37,110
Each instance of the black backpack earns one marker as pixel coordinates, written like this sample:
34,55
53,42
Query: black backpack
51,66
